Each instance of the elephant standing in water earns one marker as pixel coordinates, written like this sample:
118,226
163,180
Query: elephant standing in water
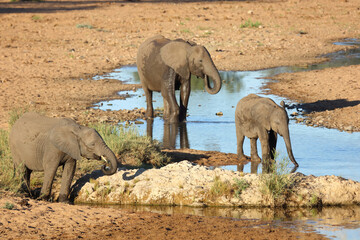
40,143
166,65
259,117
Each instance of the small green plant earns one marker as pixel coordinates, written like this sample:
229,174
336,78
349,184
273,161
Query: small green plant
250,24
88,26
240,185
185,30
95,182
35,18
8,205
277,183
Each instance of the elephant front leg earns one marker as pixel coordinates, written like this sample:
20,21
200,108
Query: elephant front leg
168,93
265,149
67,177
49,174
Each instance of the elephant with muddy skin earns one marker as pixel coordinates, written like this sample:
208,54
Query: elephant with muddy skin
165,65
259,117
40,143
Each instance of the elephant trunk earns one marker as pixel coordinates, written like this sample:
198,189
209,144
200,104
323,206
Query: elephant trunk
215,76
286,137
110,158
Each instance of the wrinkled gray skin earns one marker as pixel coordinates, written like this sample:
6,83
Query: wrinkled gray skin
165,64
40,143
259,117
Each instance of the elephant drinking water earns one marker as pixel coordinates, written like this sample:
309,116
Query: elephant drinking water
40,143
165,64
259,117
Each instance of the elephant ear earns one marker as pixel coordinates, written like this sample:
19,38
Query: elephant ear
174,55
65,139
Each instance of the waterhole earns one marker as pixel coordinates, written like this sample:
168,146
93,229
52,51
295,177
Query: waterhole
319,151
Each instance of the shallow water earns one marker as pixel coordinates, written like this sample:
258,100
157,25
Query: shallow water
319,151
333,222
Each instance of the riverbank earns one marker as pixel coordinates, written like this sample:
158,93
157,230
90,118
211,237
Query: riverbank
51,50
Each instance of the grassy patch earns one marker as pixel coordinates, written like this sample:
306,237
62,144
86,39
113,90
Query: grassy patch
8,205
277,184
88,26
220,188
8,179
250,24
15,114
225,188
130,146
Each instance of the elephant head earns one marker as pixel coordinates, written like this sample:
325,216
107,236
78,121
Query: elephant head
80,141
279,123
188,59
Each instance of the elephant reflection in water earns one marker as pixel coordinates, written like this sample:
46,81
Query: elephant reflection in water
171,131
253,167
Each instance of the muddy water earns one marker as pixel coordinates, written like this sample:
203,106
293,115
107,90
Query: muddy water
319,151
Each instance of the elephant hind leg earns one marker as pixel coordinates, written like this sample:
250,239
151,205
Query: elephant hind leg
240,143
272,143
254,154
149,106
26,179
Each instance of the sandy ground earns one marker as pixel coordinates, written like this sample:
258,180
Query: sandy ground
51,50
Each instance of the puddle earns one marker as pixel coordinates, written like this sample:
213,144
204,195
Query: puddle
319,151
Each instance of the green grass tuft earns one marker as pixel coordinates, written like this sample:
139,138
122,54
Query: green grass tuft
250,24
8,205
240,185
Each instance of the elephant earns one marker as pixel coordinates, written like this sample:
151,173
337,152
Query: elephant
166,65
260,117
40,143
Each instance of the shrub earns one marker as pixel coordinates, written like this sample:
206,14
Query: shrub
277,184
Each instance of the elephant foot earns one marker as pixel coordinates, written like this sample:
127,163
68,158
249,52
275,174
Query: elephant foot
255,159
43,197
63,198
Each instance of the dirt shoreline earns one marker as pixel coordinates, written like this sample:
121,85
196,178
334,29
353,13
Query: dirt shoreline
50,52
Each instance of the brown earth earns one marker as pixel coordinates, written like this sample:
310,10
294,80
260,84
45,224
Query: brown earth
51,50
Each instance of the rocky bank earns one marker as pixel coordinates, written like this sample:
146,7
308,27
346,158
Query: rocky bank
186,183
